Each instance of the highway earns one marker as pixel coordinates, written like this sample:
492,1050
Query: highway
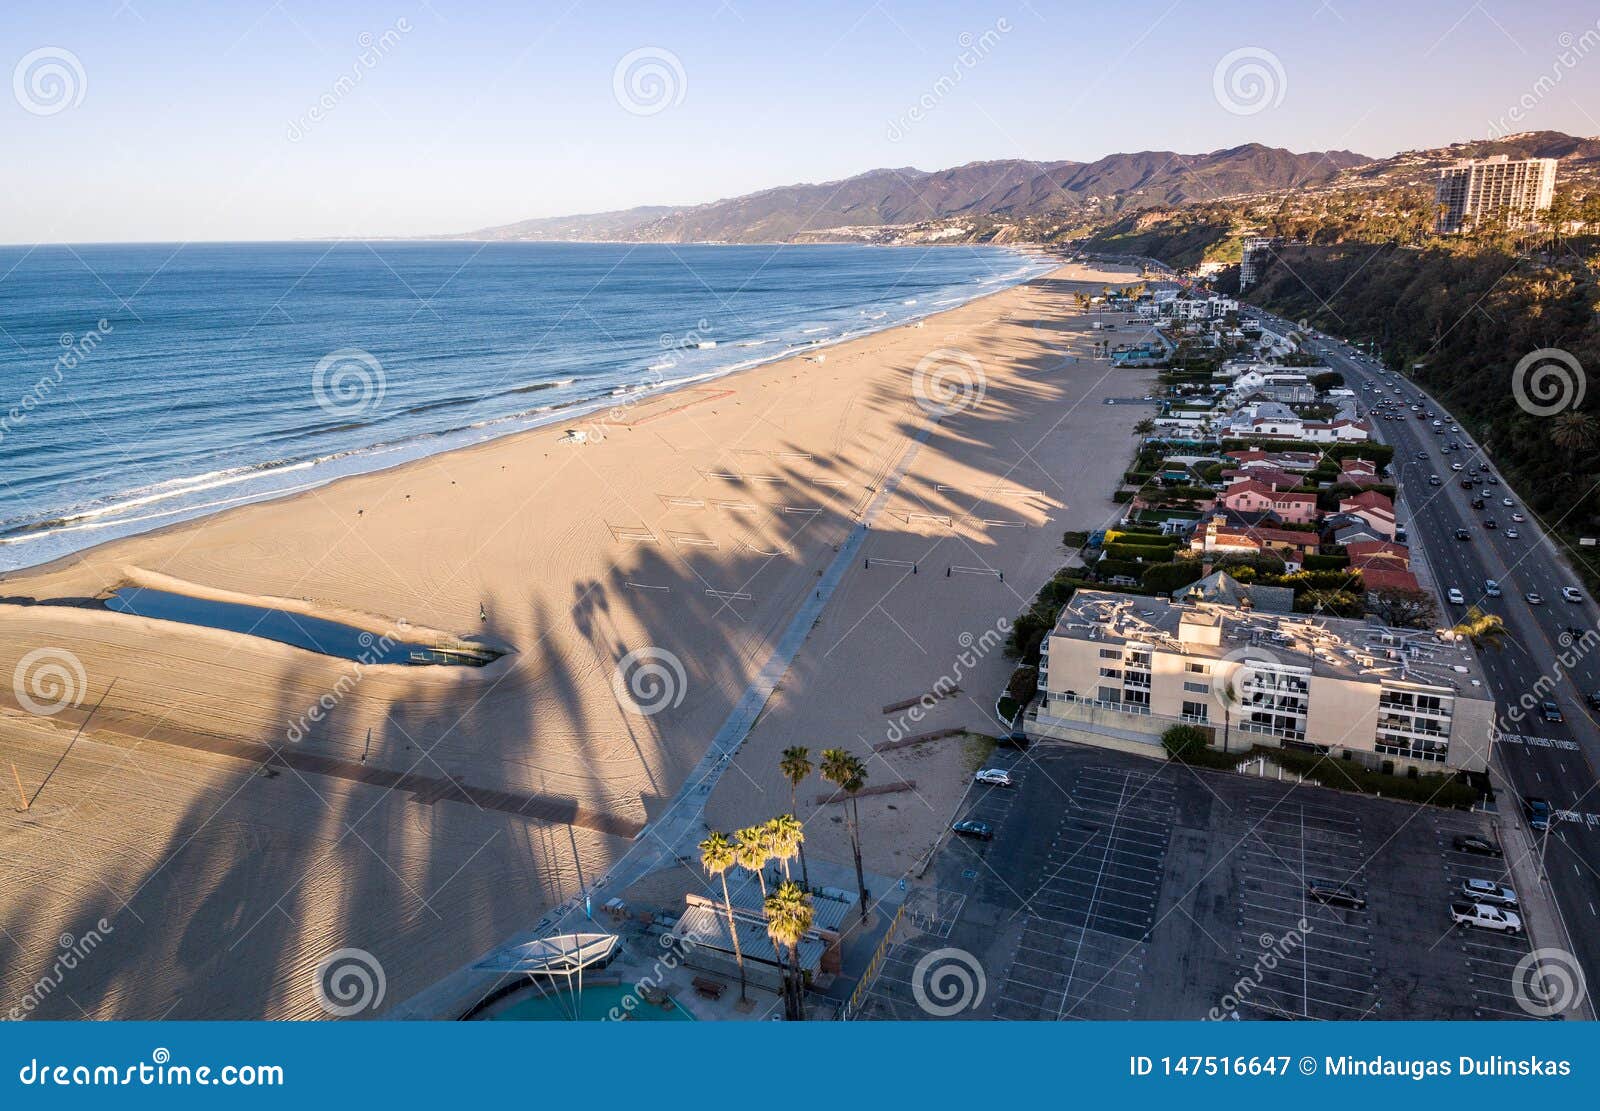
1541,659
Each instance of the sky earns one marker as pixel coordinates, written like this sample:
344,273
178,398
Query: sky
148,120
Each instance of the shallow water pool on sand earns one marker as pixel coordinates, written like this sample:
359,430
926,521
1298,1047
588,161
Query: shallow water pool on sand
314,634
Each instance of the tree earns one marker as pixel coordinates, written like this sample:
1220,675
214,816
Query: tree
717,855
753,850
1228,695
1576,432
796,765
785,835
849,774
790,916
1404,608
1144,427
1484,630
1181,741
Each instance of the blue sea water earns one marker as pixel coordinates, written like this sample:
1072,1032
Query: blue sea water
143,385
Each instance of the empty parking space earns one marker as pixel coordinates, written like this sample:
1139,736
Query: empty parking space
1304,958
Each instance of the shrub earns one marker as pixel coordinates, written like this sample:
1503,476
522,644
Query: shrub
1164,578
1181,741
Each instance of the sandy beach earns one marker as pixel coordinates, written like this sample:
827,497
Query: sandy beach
236,809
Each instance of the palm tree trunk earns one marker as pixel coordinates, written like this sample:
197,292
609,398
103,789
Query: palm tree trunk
855,846
797,1000
733,931
805,878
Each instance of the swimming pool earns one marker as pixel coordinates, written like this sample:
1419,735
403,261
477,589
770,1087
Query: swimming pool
601,1003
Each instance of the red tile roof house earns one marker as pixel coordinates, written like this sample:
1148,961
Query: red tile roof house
1358,472
1373,508
1251,496
1217,536
1278,480
1380,577
1378,552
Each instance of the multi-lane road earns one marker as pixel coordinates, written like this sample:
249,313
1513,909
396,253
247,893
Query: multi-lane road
1552,651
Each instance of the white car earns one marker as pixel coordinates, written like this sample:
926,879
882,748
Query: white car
1485,917
1456,597
1507,502
1533,598
1455,466
1511,534
1517,517
994,777
1570,594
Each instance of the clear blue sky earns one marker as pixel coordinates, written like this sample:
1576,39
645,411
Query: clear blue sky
177,118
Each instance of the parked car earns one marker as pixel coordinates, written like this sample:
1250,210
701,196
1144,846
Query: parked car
1472,843
1549,711
1570,594
983,831
1333,895
1488,891
1538,811
994,777
1485,917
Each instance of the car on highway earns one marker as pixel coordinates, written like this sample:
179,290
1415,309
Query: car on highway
1466,483
1463,534
1455,466
1435,480
994,777
1507,502
1456,597
1550,712
1517,517
1593,698
1511,534
1488,522
1491,588
1488,891
1570,594
1477,503
983,831
1533,598
1472,843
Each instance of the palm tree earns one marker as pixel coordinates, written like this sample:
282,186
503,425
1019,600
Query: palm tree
789,918
753,851
717,855
1229,697
1577,432
1144,427
796,765
849,775
1484,630
786,835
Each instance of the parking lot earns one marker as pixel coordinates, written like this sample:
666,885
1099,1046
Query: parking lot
1121,887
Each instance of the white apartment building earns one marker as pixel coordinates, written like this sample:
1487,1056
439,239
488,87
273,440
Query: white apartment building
1119,669
1493,188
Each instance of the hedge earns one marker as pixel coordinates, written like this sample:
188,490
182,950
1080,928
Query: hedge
1347,775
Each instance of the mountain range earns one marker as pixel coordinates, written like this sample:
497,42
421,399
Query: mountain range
977,200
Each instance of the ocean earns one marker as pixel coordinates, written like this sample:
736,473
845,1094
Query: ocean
147,384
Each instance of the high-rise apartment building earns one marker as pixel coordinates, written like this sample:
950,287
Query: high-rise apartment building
1498,188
